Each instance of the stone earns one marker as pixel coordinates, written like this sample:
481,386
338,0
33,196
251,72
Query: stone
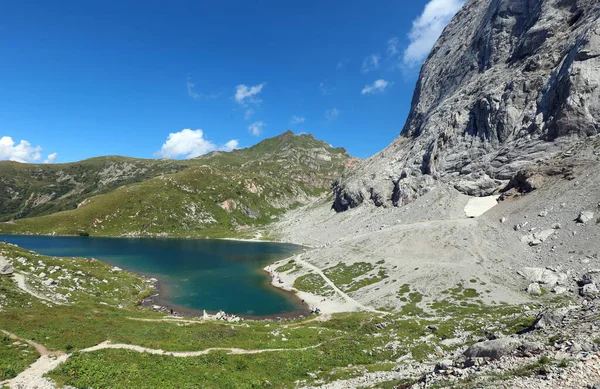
49,282
550,319
531,347
585,217
493,349
537,238
589,290
543,276
588,278
5,267
443,365
544,213
559,290
534,289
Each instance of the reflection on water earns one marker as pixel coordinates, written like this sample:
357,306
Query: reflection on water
194,274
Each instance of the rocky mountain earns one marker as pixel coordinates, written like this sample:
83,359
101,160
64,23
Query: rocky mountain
509,83
218,194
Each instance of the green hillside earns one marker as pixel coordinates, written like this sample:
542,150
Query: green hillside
28,190
215,195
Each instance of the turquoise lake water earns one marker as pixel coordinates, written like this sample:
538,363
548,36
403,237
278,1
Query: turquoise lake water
194,274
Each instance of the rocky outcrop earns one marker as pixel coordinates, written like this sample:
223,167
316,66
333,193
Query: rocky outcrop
508,83
5,267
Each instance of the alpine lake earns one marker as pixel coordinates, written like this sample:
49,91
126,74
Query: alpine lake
194,275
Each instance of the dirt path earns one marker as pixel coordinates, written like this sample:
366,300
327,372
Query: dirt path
230,350
351,302
33,376
22,284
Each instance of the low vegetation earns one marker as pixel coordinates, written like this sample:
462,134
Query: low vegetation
221,194
346,346
354,277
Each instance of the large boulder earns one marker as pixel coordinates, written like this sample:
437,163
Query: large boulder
543,276
550,319
585,217
493,349
5,267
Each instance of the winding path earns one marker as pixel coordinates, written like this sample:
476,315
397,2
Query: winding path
33,376
22,284
348,299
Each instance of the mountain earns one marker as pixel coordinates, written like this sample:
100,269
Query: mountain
28,190
217,194
508,83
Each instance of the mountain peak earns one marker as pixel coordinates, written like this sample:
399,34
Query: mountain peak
505,79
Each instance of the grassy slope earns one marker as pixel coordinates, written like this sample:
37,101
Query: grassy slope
99,311
257,183
28,190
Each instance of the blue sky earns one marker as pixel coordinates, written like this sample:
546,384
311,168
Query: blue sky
176,79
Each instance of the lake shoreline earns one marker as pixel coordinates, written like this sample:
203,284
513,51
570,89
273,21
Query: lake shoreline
159,298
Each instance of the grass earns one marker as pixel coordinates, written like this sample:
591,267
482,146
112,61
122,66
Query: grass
353,339
15,357
354,277
312,283
214,196
287,267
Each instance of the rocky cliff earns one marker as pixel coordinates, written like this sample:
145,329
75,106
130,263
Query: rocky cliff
509,82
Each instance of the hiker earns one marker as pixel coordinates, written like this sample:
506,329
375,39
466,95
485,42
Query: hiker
171,311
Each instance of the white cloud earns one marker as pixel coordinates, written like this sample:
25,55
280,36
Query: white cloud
256,128
325,90
189,143
231,145
22,152
339,65
51,158
370,63
393,46
297,119
376,87
331,114
427,28
248,114
245,94
191,91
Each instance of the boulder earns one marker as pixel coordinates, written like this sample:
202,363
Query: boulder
537,238
493,349
534,289
588,278
559,289
550,319
531,347
585,217
5,267
589,290
543,276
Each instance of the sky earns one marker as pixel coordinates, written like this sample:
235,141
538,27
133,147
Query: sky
177,79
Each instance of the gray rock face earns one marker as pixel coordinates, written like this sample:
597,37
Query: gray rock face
507,83
5,267
493,349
